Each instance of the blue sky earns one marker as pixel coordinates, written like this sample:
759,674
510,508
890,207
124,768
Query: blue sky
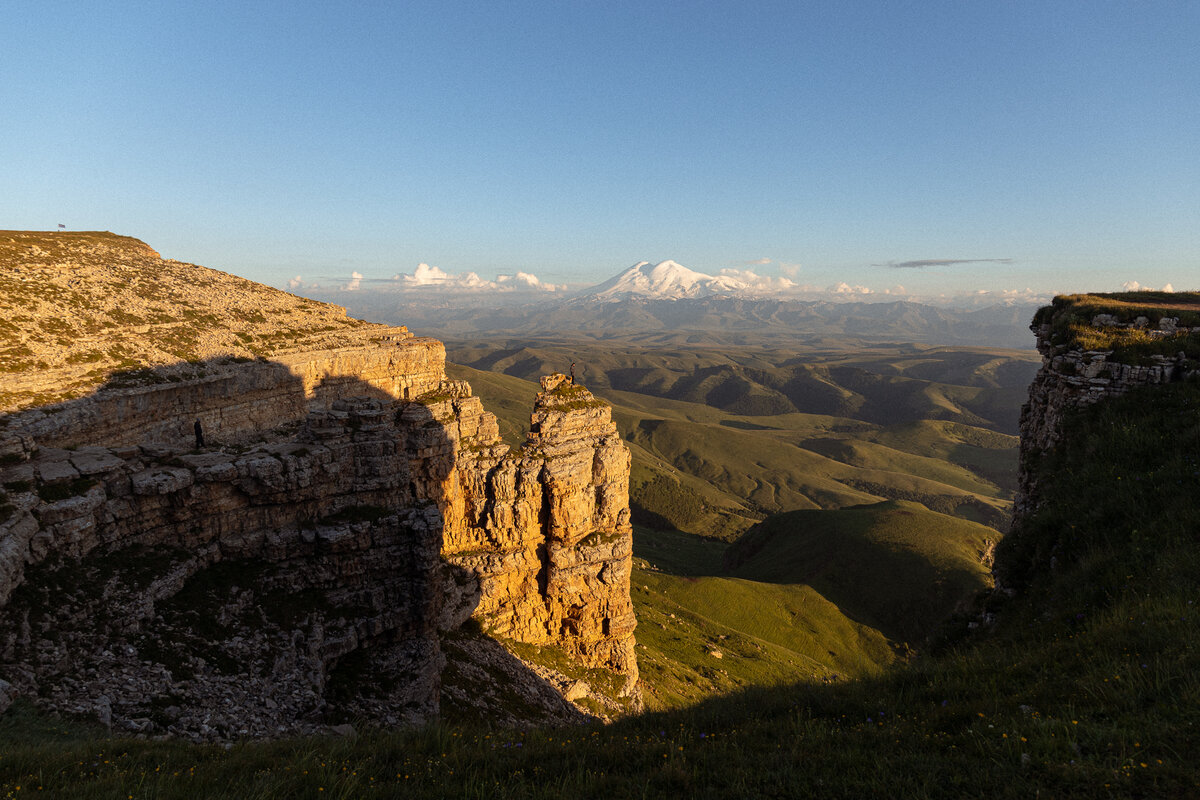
571,139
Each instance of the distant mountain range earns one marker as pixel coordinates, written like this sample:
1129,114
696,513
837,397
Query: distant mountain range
669,299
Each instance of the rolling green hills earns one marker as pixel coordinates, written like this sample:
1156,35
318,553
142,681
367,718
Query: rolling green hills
879,383
722,436
444,313
894,565
804,595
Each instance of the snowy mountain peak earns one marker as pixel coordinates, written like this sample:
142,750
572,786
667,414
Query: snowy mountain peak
667,280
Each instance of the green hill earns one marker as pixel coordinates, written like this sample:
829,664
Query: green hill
878,383
844,587
1084,683
803,596
894,566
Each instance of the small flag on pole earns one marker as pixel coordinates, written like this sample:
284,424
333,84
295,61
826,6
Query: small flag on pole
64,227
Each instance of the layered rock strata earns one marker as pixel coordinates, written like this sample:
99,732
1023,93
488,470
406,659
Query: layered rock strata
1073,377
226,591
216,593
235,400
348,510
547,529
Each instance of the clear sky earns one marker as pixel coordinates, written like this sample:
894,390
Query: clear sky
571,139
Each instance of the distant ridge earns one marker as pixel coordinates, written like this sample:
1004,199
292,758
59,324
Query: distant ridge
669,298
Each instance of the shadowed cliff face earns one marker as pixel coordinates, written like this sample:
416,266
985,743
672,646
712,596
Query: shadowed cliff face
1073,377
255,588
219,591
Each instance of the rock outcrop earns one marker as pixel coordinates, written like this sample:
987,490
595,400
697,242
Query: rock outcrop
547,529
227,587
236,400
1072,376
350,509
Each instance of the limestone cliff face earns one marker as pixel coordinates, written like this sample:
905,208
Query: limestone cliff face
228,586
372,528
350,508
546,530
236,399
1071,377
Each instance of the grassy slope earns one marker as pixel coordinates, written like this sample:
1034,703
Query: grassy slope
880,383
894,566
814,595
1088,687
702,632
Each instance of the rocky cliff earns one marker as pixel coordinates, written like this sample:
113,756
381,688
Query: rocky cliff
1099,346
349,513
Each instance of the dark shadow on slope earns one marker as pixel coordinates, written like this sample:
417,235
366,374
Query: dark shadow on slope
893,566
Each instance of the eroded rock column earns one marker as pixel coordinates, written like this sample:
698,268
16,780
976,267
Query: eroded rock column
546,530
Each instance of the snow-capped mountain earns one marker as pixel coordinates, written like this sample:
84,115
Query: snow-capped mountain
669,280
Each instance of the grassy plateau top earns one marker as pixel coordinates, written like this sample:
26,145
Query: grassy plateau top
77,308
1133,325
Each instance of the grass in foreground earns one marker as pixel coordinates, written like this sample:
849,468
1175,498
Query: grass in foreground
1089,686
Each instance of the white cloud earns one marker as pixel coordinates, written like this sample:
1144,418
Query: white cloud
526,281
981,298
296,282
842,287
1026,295
750,281
1134,286
425,275
789,268
786,268
356,279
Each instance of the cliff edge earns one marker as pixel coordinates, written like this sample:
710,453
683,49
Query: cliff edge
297,525
1098,346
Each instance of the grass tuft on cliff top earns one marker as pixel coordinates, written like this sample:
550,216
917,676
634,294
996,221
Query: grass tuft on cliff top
82,310
1070,318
